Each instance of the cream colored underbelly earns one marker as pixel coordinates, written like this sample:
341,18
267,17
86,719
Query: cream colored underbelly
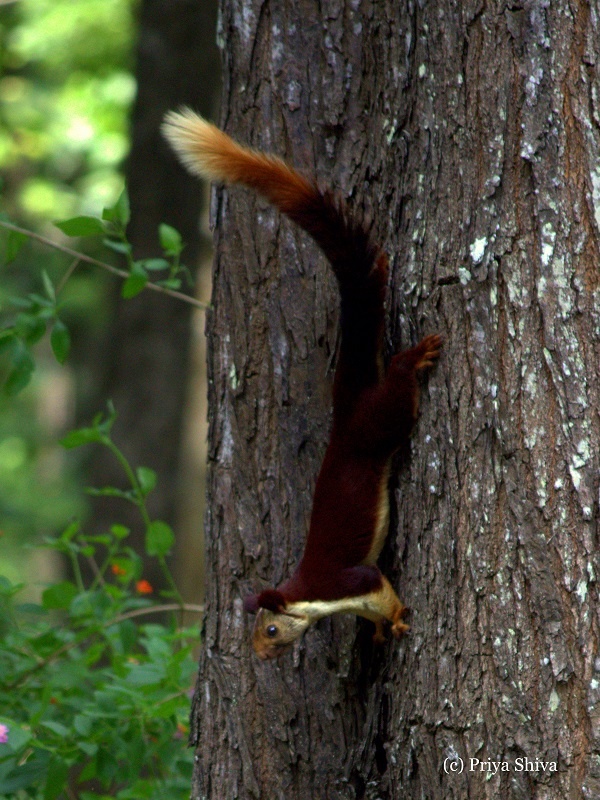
382,517
373,605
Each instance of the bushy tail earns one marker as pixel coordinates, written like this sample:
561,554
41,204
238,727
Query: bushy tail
358,264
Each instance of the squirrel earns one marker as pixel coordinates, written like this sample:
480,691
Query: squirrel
374,409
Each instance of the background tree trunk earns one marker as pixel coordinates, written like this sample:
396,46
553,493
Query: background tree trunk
473,132
145,358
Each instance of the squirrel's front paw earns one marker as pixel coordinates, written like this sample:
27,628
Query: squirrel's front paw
428,351
399,628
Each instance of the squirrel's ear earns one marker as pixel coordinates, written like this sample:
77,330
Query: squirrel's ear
270,599
251,604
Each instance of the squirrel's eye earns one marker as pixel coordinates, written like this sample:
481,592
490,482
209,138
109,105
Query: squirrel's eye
272,631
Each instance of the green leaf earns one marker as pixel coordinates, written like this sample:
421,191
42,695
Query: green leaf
120,212
70,531
48,286
122,209
147,479
136,281
145,674
171,283
20,375
101,538
30,608
7,338
82,226
20,302
109,214
120,531
56,778
14,242
60,595
17,735
8,589
56,727
107,765
128,633
17,380
81,436
25,775
82,724
33,301
30,327
170,240
155,264
119,247
159,538
90,749
87,774
60,340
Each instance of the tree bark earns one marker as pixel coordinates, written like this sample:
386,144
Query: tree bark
472,132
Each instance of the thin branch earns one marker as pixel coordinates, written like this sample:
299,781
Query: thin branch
172,697
67,275
98,577
121,273
158,609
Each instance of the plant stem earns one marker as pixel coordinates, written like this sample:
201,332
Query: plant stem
167,573
76,570
141,504
139,612
131,476
121,273
67,275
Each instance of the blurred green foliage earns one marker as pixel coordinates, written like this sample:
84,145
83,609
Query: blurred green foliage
94,694
66,90
94,690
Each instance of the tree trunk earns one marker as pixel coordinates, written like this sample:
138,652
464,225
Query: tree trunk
472,131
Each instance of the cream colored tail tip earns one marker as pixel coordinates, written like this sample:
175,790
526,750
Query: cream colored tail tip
198,143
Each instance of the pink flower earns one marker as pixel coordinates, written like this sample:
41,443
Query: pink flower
3,734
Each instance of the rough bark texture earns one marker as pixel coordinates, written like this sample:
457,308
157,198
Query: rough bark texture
473,132
145,357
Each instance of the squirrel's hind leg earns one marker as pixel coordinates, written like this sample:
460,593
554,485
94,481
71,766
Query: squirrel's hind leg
386,413
385,605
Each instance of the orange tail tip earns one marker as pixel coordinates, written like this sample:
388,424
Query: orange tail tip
201,146
207,151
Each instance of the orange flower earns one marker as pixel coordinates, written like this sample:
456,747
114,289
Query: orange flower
117,570
143,587
181,731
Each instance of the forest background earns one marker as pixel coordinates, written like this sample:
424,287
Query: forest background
83,89
68,111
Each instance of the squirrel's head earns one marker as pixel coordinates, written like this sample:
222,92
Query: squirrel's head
275,629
